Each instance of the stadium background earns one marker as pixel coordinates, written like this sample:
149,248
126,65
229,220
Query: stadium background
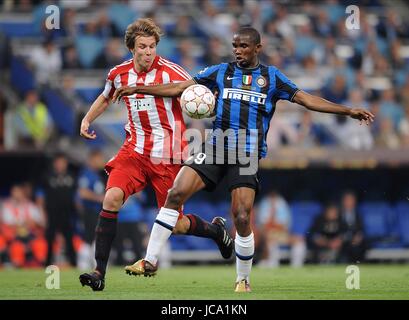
311,160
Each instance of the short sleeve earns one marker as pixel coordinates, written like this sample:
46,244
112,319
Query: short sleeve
207,76
285,88
109,88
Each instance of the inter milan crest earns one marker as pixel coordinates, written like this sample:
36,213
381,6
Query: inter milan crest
247,80
261,81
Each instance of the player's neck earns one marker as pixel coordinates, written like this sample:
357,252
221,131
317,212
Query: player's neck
138,68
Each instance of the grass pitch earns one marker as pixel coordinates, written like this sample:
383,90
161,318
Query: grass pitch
214,283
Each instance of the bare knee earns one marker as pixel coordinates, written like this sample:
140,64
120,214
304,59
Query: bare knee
113,199
175,198
241,216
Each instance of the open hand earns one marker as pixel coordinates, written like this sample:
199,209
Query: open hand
84,131
362,115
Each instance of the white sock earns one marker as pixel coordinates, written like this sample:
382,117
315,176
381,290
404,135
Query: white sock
244,247
161,231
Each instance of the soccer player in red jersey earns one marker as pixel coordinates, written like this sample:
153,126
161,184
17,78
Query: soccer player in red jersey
152,150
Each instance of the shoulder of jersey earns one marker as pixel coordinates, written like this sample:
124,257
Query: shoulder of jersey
123,67
173,67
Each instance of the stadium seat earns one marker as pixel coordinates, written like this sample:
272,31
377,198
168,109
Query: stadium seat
223,209
197,243
89,94
303,214
402,211
203,209
179,243
374,218
380,224
150,216
61,111
18,29
22,77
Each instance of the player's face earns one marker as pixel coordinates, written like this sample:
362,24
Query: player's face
245,51
144,52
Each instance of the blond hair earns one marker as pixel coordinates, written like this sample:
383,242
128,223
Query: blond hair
142,27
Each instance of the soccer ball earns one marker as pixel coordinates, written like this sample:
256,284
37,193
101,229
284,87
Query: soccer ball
197,101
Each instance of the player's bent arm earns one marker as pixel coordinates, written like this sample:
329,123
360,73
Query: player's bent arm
162,90
97,108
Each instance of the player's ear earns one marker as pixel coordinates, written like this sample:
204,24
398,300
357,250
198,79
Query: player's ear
258,47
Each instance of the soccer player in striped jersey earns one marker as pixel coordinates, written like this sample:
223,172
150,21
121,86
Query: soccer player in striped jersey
248,92
151,152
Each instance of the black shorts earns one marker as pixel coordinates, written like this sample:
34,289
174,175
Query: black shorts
241,173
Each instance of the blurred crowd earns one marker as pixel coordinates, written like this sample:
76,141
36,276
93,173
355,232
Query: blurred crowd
335,235
52,221
309,41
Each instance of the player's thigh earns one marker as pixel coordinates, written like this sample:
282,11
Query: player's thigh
209,174
188,182
173,177
120,186
162,177
243,186
239,175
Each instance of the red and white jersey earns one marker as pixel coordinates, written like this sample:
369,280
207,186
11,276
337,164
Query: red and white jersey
20,214
155,124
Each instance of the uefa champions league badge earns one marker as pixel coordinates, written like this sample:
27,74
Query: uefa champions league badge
261,81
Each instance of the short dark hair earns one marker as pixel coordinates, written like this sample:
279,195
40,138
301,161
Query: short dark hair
252,33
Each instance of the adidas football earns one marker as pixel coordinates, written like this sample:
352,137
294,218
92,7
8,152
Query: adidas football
197,101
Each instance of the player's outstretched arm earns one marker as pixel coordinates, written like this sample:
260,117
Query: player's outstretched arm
162,90
97,108
319,104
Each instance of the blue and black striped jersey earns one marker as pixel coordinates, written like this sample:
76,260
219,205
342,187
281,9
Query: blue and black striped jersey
246,102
